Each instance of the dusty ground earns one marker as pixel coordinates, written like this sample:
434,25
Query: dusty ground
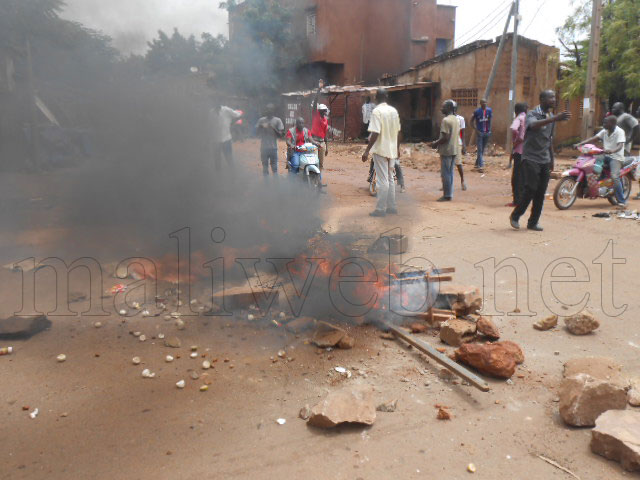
100,419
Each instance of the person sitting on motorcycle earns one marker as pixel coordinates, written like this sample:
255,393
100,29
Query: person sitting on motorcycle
296,137
613,139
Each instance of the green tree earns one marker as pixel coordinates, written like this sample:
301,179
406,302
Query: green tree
264,53
619,73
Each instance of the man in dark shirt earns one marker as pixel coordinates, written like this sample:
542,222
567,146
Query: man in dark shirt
481,122
537,159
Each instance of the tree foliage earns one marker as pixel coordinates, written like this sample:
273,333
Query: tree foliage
619,73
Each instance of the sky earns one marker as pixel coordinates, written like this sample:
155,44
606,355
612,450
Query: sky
131,23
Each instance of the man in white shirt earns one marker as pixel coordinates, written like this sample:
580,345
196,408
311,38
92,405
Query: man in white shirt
463,147
221,118
367,110
384,143
613,139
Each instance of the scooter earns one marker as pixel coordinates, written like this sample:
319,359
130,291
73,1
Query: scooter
588,178
309,165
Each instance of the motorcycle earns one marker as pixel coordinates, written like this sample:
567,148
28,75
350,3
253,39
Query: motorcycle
309,165
588,178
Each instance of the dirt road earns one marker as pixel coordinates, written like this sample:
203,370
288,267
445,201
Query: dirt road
98,418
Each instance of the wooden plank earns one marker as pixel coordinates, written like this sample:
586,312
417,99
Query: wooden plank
442,359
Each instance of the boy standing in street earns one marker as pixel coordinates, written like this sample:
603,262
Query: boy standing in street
448,147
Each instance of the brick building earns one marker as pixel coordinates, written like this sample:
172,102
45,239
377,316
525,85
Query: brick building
357,41
462,75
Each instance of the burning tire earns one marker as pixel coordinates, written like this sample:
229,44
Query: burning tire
565,193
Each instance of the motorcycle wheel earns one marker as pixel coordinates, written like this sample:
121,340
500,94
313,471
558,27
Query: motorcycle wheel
315,182
372,186
626,190
562,196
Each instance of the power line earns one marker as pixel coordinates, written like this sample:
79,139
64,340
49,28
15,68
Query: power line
482,23
534,16
499,18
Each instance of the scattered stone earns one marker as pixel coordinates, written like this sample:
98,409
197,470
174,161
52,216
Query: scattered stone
464,300
142,338
633,397
582,323
180,384
98,325
282,353
251,317
136,334
455,332
146,373
180,325
616,436
583,398
206,365
300,325
487,328
602,368
194,375
446,375
305,412
546,323
471,468
388,407
122,312
281,421
514,349
490,359
349,405
418,327
346,343
193,354
329,339
443,414
204,388
136,360
387,336
168,359
173,342
61,358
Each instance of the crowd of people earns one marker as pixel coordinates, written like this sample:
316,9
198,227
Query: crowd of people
532,157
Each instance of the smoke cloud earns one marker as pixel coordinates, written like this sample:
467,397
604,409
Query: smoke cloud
133,23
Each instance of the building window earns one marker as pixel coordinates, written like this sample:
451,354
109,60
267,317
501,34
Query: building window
465,97
442,46
526,86
311,24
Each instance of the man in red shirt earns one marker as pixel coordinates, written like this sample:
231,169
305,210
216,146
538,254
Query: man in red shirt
296,136
320,127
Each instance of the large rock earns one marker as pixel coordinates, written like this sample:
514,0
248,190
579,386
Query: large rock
602,368
22,328
617,437
463,299
546,323
487,328
457,331
582,323
514,349
349,405
300,324
583,398
491,359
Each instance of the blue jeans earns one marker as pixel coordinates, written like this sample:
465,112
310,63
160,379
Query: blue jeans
614,168
269,156
447,163
294,162
482,142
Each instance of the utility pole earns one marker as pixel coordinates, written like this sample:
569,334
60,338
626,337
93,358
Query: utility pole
496,61
589,105
514,67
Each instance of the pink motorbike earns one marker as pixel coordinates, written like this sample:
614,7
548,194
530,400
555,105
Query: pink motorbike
589,178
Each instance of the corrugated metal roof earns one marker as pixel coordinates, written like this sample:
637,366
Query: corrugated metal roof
334,89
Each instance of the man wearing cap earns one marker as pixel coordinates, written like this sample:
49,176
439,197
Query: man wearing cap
384,143
320,127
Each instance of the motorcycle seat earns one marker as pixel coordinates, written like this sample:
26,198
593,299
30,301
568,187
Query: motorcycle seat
628,161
